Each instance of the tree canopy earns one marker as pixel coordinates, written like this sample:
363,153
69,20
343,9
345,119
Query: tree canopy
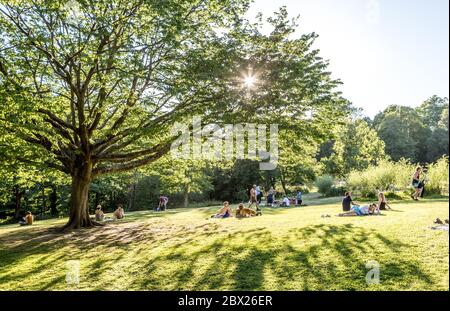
95,87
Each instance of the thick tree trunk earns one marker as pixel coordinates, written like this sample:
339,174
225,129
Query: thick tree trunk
79,209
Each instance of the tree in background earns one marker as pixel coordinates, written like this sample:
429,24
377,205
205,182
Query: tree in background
183,176
355,147
431,111
434,114
419,134
297,165
403,132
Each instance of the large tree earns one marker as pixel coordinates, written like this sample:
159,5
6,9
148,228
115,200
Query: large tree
98,84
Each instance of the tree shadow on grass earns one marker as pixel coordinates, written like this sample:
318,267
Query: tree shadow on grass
112,242
332,258
207,257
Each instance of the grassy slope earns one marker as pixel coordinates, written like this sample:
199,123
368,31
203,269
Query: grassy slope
286,249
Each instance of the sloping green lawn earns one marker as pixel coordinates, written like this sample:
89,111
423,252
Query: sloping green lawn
285,249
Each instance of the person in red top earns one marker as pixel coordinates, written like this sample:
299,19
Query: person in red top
162,203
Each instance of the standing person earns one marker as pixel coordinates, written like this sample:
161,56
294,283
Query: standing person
270,196
416,183
347,202
299,198
253,198
162,203
259,194
382,202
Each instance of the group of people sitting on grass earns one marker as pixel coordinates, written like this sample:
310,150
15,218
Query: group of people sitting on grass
119,213
352,208
256,193
241,211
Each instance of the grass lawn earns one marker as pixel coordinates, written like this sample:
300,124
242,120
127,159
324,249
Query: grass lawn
286,249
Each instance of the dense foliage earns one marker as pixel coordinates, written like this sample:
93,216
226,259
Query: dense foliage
89,97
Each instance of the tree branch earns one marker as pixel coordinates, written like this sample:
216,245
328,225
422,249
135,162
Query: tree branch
133,164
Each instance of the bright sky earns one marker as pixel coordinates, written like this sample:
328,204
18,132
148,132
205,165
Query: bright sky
385,51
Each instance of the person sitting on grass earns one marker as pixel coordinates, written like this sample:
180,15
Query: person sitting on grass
347,202
99,215
382,202
286,202
242,212
119,213
224,212
364,210
27,220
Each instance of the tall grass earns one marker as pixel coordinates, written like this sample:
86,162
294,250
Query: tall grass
437,177
386,176
396,176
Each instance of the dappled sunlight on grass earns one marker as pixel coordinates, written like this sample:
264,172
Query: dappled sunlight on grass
285,249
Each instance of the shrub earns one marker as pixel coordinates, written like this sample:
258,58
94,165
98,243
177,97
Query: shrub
326,186
387,176
393,177
437,177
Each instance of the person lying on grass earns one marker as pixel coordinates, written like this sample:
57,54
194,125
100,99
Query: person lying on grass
224,212
364,210
243,212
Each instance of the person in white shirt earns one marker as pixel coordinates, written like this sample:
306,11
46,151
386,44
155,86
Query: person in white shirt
286,202
259,194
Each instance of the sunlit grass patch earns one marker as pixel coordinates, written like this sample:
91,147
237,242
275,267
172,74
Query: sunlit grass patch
285,249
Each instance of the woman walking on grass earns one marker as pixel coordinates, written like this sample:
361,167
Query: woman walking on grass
416,183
